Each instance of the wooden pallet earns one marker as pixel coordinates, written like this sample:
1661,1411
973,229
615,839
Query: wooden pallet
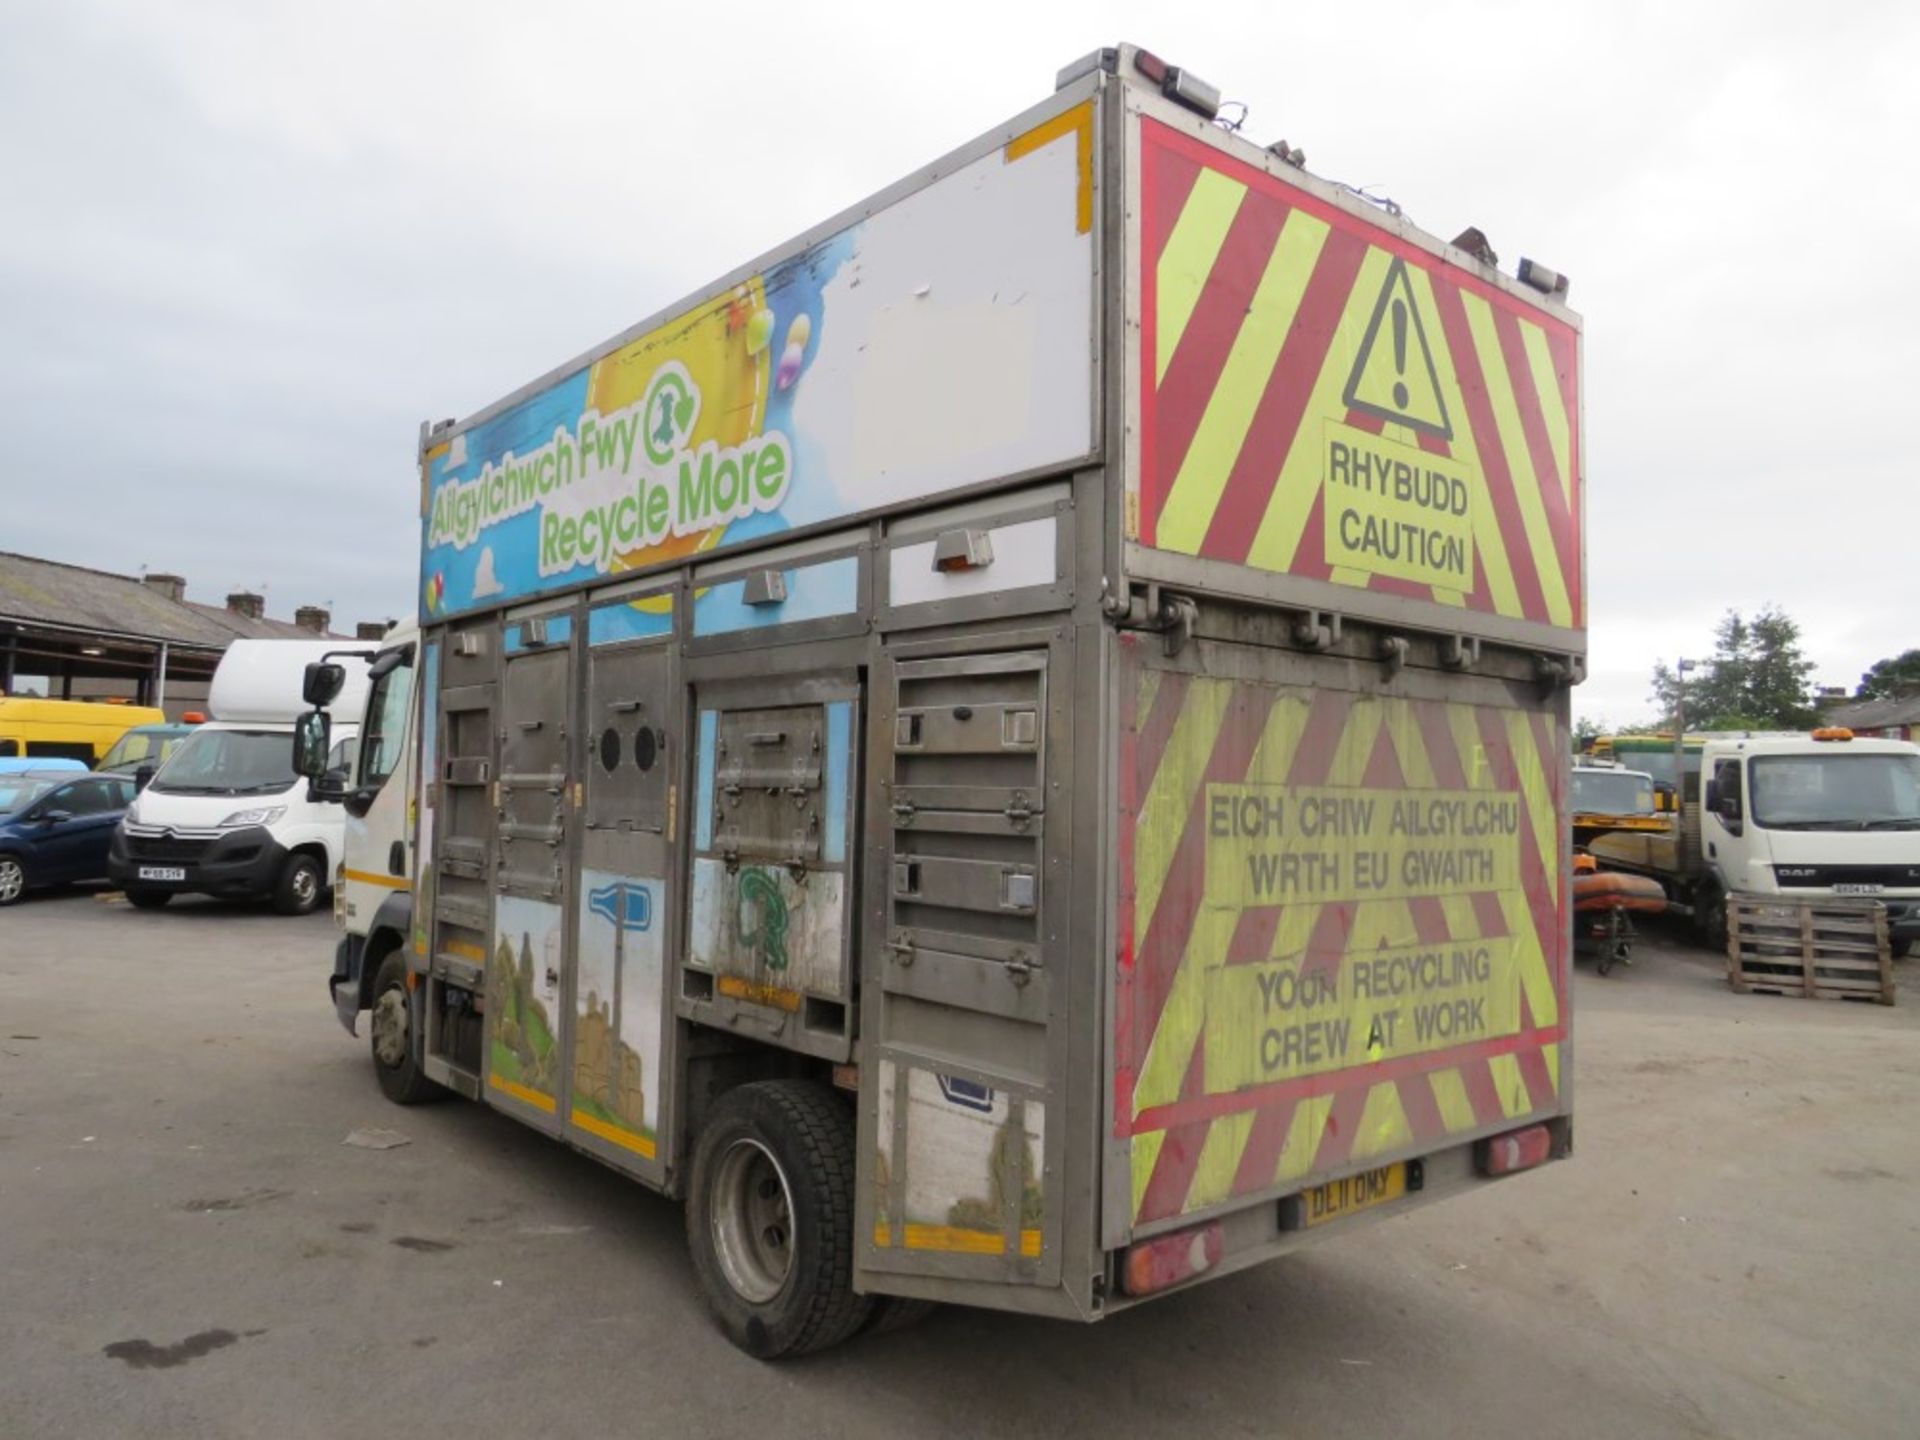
1825,949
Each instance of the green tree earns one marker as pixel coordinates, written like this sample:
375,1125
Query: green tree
1891,678
1757,678
1586,730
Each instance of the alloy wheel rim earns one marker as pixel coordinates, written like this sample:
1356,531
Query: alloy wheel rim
753,1221
12,880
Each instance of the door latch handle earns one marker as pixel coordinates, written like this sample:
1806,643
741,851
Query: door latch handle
902,951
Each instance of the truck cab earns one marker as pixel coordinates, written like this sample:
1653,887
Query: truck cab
1810,817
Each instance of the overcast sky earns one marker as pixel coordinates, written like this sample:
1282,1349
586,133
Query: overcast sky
248,247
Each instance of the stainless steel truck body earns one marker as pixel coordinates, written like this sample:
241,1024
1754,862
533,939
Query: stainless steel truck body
1013,750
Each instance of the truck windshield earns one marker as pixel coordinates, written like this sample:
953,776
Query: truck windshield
228,762
139,746
1836,792
1612,792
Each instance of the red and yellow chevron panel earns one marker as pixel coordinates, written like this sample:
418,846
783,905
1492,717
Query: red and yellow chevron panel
1321,398
1342,930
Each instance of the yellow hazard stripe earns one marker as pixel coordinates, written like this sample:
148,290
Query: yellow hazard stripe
1169,798
626,1139
1553,405
1178,1031
1278,537
1383,1123
1487,541
1513,444
954,1240
1187,259
1202,478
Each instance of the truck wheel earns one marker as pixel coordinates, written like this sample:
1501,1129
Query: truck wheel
300,885
148,899
390,1033
13,880
1900,948
1710,918
770,1218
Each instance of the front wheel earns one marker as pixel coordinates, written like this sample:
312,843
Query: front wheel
300,885
770,1218
390,1034
1901,947
148,899
13,880
1710,917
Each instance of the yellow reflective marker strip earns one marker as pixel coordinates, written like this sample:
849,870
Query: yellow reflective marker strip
1196,490
1513,444
1487,541
1187,259
954,1240
1552,1056
385,882
521,1093
1077,122
1169,798
1278,537
465,950
1553,405
625,1139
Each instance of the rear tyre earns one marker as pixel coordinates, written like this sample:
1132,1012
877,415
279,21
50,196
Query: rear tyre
149,899
1900,948
300,886
770,1218
390,1036
13,880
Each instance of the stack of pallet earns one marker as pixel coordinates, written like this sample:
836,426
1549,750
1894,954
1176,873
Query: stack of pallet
1825,949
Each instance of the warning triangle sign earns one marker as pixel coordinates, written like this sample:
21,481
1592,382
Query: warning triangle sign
1394,377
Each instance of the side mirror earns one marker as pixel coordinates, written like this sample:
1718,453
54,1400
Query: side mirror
53,817
143,777
312,737
322,683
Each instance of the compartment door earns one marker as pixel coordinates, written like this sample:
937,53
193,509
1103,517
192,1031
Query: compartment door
528,956
971,883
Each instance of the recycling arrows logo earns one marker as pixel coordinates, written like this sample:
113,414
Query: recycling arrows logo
1394,377
672,405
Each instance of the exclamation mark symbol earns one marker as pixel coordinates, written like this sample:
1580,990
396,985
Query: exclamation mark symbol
1400,352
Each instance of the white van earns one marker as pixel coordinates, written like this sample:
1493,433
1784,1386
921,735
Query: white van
226,815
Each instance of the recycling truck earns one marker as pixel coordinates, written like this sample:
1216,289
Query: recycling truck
1812,817
1011,751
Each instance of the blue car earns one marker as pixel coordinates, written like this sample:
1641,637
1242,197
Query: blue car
55,825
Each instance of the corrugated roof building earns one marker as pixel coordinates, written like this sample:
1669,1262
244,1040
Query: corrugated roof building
93,633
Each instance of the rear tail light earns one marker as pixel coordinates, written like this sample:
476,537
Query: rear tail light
1157,1264
1516,1150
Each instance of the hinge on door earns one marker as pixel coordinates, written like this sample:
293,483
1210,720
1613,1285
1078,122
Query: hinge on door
902,950
1019,968
1019,813
904,811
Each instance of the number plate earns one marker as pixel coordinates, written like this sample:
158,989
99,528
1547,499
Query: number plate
1858,889
162,872
1338,1199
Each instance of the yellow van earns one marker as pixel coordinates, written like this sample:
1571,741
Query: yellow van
69,729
